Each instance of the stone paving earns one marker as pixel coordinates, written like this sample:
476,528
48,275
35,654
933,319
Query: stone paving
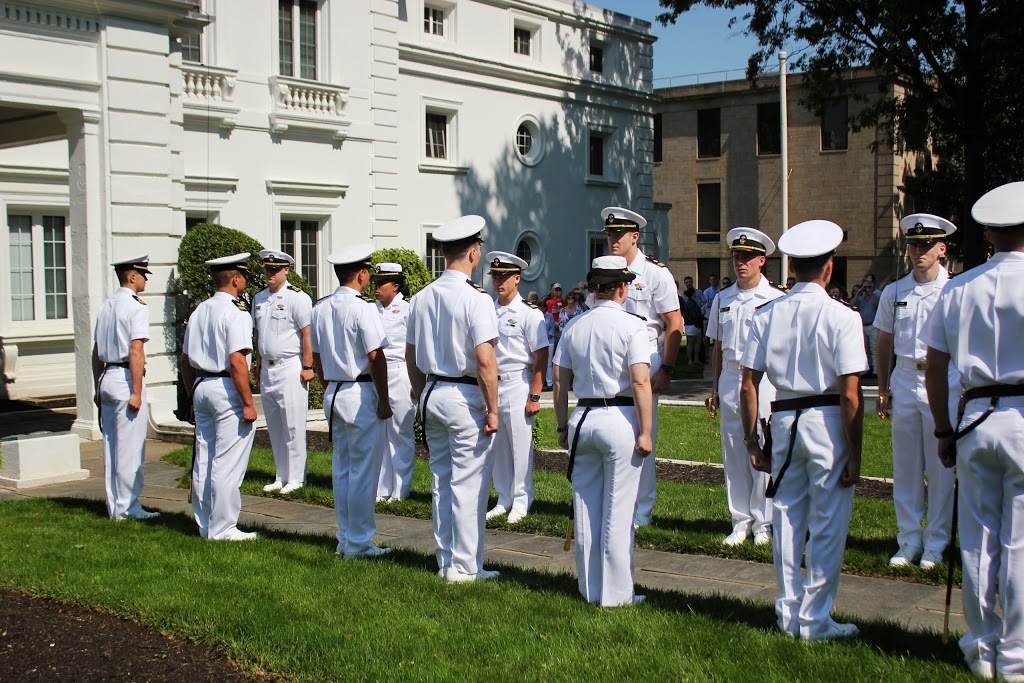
914,606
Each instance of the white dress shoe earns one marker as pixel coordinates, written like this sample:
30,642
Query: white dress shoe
276,486
763,537
515,516
496,511
372,551
142,514
737,537
639,521
240,536
905,556
487,574
929,559
835,631
983,670
638,599
291,488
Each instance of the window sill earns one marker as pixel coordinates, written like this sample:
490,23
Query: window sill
835,151
773,155
444,169
710,158
594,181
708,237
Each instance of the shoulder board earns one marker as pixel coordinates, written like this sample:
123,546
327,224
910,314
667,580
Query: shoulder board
294,288
240,304
136,297
369,301
531,304
781,288
656,262
323,298
476,286
758,308
635,315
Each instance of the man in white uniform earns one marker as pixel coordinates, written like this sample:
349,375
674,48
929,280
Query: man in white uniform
348,351
652,295
978,325
811,347
522,353
119,366
454,374
729,326
215,366
282,314
390,291
902,312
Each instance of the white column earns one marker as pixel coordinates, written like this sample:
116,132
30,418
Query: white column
89,263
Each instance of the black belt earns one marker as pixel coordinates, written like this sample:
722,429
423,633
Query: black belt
799,405
465,379
994,392
203,374
587,404
117,365
334,397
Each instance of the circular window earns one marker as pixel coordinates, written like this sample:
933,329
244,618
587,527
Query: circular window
528,249
529,140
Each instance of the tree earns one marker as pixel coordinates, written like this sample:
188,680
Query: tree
958,67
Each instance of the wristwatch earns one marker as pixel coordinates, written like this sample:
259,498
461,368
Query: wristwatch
534,397
562,430
307,367
751,440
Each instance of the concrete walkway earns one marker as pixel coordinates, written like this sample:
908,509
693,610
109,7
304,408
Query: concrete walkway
914,606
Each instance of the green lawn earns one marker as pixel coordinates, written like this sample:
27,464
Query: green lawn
688,518
287,604
690,433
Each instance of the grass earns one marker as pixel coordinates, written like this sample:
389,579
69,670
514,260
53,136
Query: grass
690,433
288,604
688,518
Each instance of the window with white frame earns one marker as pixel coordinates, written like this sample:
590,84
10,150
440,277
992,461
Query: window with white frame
433,257
296,38
437,135
596,153
522,37
38,266
434,20
529,140
300,239
597,57
191,48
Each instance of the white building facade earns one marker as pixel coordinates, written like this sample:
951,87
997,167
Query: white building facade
308,124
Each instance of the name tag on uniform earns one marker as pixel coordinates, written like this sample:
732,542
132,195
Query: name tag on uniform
900,304
724,310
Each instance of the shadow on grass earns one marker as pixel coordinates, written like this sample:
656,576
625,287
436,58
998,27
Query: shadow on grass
887,637
716,526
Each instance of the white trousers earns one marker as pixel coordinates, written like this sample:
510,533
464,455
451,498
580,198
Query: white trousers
744,486
648,492
809,498
400,451
285,406
915,458
990,465
605,478
124,442
512,452
359,441
460,467
223,443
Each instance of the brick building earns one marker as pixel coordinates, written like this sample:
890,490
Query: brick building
717,162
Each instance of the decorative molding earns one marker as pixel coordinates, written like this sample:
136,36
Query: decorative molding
298,188
601,182
308,106
208,93
48,17
197,183
449,169
33,174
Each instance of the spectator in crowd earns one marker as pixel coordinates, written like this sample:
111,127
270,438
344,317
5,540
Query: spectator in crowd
867,305
790,281
574,305
836,293
726,281
705,308
693,320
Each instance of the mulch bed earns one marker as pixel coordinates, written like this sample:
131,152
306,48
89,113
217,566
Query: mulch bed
45,640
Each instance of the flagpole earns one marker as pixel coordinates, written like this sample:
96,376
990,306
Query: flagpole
784,153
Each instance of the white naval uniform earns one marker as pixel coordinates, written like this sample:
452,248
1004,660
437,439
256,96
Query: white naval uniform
652,293
123,319
280,319
599,347
397,466
216,329
729,325
521,332
344,329
914,446
979,322
448,319
804,342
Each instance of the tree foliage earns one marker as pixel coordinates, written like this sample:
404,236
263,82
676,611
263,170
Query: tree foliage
416,274
957,66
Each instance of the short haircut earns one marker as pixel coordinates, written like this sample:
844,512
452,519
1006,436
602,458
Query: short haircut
459,248
222,278
810,268
347,272
122,275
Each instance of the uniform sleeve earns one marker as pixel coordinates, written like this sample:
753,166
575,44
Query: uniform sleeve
140,324
755,354
410,323
240,333
850,356
563,355
536,334
314,333
371,330
884,314
639,348
713,319
666,296
934,331
483,320
303,310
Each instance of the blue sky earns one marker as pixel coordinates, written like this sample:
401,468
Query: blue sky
699,41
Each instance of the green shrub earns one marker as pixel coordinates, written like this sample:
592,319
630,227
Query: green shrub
416,274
